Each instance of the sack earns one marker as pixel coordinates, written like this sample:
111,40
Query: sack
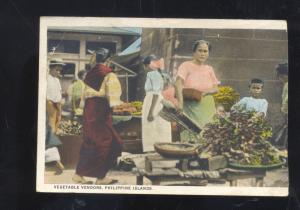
191,94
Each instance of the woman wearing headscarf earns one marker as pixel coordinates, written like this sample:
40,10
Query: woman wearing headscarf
196,75
102,145
154,128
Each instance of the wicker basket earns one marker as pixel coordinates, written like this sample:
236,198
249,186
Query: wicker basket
191,94
176,150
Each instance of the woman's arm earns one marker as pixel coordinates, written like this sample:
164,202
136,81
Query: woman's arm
178,92
153,103
215,82
213,90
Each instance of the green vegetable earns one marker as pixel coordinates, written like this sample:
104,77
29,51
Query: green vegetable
242,137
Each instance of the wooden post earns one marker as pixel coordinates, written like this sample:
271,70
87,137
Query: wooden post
148,165
259,181
139,180
233,183
126,79
183,164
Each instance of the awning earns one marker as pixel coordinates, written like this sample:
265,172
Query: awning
133,48
128,62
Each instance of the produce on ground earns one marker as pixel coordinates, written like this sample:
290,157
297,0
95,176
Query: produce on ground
69,127
242,138
226,96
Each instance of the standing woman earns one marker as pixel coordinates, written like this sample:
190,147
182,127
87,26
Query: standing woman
102,145
195,74
154,128
280,138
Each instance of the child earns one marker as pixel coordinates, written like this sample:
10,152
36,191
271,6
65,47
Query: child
221,111
254,102
154,127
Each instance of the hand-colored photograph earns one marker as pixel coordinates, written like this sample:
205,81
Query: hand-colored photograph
163,106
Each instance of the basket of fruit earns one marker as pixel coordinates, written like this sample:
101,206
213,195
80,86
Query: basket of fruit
69,128
124,109
226,96
138,105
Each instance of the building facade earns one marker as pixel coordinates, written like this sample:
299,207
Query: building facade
237,56
72,46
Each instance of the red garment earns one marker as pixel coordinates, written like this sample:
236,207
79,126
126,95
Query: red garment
95,76
102,145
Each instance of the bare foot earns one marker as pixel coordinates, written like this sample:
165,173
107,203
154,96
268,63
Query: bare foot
78,179
105,181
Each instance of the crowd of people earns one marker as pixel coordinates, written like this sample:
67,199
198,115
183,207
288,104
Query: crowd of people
97,90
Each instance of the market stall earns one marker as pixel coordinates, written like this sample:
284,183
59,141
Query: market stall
233,147
127,121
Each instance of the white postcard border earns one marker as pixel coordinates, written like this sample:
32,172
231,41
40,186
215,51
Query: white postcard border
73,22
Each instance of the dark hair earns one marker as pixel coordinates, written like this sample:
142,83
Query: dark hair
256,81
198,42
147,60
80,74
102,55
282,69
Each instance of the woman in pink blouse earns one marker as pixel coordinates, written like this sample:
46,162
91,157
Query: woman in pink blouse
195,74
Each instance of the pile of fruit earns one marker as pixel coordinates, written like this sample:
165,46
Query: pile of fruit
69,128
226,96
124,109
242,138
138,105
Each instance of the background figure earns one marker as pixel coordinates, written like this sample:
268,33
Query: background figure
220,111
154,128
51,153
54,94
196,75
280,137
77,95
101,144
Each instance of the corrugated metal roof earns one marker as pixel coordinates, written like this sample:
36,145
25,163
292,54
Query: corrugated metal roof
105,30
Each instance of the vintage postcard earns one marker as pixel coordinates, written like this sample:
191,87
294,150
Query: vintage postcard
163,106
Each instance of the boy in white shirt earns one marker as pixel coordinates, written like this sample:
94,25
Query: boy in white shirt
54,94
254,102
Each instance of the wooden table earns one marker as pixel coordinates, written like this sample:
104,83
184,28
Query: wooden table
233,175
181,173
194,177
131,133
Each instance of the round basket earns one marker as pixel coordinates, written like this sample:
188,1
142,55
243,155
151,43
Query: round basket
176,150
191,94
256,167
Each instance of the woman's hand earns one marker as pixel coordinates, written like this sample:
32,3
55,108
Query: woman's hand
150,117
180,108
